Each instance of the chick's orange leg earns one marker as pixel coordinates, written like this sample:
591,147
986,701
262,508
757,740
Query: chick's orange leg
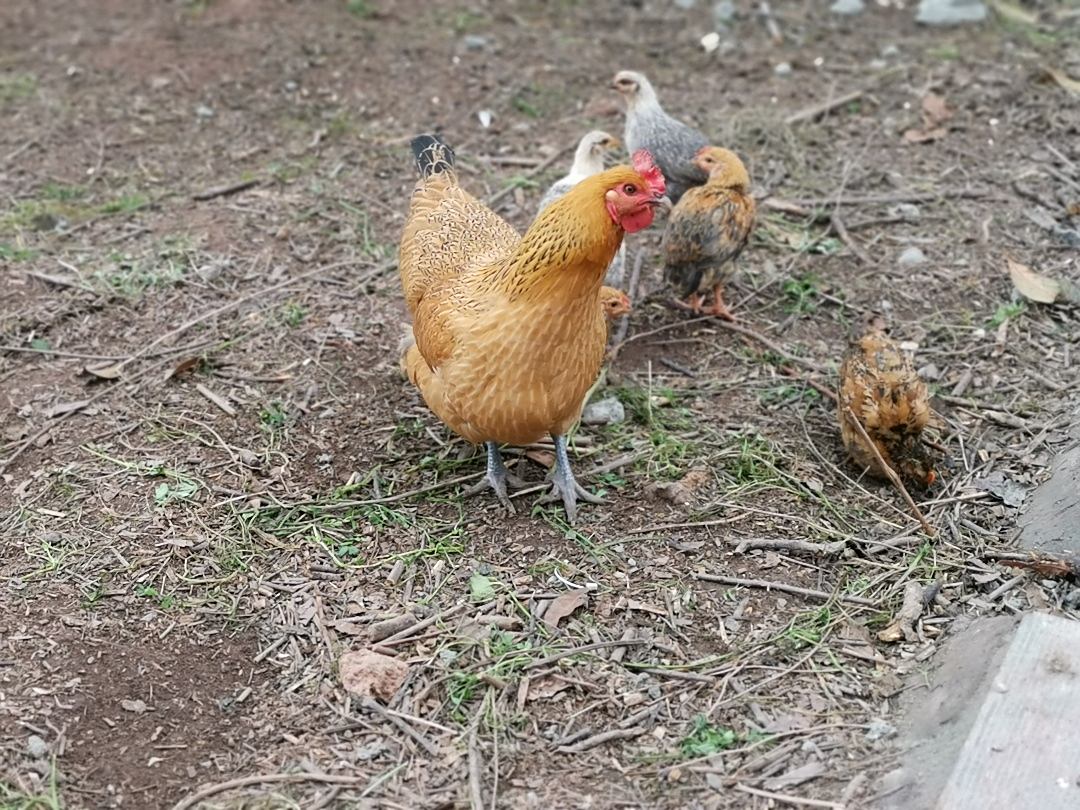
565,486
718,307
496,478
692,303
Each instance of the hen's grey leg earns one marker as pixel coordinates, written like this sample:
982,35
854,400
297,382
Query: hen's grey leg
563,484
496,478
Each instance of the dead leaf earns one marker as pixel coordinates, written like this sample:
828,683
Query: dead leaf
1033,286
1046,568
368,674
924,136
541,457
136,706
1015,13
935,110
1068,83
184,366
565,604
108,371
66,408
903,626
546,688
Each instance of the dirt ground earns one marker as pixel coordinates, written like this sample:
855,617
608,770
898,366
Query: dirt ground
215,481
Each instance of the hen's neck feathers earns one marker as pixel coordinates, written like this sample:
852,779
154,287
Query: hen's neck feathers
567,250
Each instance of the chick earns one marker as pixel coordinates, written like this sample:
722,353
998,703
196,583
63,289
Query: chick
879,384
708,230
615,303
588,160
672,143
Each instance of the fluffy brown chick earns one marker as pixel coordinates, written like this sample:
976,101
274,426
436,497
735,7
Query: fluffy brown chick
707,231
881,387
615,303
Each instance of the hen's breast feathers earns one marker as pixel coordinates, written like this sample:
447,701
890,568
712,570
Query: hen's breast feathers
707,231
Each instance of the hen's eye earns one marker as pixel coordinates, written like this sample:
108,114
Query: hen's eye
630,189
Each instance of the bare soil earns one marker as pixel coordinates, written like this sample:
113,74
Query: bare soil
215,480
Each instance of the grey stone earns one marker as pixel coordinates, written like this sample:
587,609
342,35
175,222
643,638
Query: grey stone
1052,521
204,112
686,4
783,69
723,12
930,372
1004,489
847,6
475,42
608,411
911,257
891,50
950,12
36,747
906,210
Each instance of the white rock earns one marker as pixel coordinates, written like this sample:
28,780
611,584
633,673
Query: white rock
36,747
710,42
783,69
950,12
607,411
911,257
847,6
485,117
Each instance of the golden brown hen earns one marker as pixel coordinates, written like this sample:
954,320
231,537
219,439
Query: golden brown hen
880,386
509,331
707,231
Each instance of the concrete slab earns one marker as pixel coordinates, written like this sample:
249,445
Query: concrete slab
996,728
1022,749
1051,523
939,711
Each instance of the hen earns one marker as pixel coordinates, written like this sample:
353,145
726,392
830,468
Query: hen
588,160
508,330
708,230
880,386
672,143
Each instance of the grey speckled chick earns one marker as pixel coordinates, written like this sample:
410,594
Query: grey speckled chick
672,143
588,160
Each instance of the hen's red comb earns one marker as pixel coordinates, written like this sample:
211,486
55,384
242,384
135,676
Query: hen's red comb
644,165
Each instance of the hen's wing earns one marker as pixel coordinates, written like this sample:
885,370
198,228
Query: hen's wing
707,230
673,145
447,233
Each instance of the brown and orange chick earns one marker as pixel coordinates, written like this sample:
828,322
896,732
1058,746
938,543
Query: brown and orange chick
509,330
707,231
614,303
879,385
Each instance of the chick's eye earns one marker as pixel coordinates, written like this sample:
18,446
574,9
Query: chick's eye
630,189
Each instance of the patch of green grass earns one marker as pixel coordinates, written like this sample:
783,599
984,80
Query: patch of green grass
369,246
13,799
183,489
124,204
801,293
273,417
13,253
788,393
754,461
131,278
808,628
62,193
705,739
292,314
360,8
523,106
1007,312
164,601
464,21
16,87
946,52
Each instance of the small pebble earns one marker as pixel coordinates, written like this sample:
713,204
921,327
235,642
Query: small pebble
686,4
783,69
475,42
36,747
930,372
911,257
891,50
723,12
906,211
204,112
950,12
608,411
847,6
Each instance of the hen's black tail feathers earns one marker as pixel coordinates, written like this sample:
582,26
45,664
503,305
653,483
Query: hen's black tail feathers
432,154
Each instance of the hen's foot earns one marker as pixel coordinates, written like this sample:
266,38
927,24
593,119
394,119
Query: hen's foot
692,303
718,308
564,486
497,478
